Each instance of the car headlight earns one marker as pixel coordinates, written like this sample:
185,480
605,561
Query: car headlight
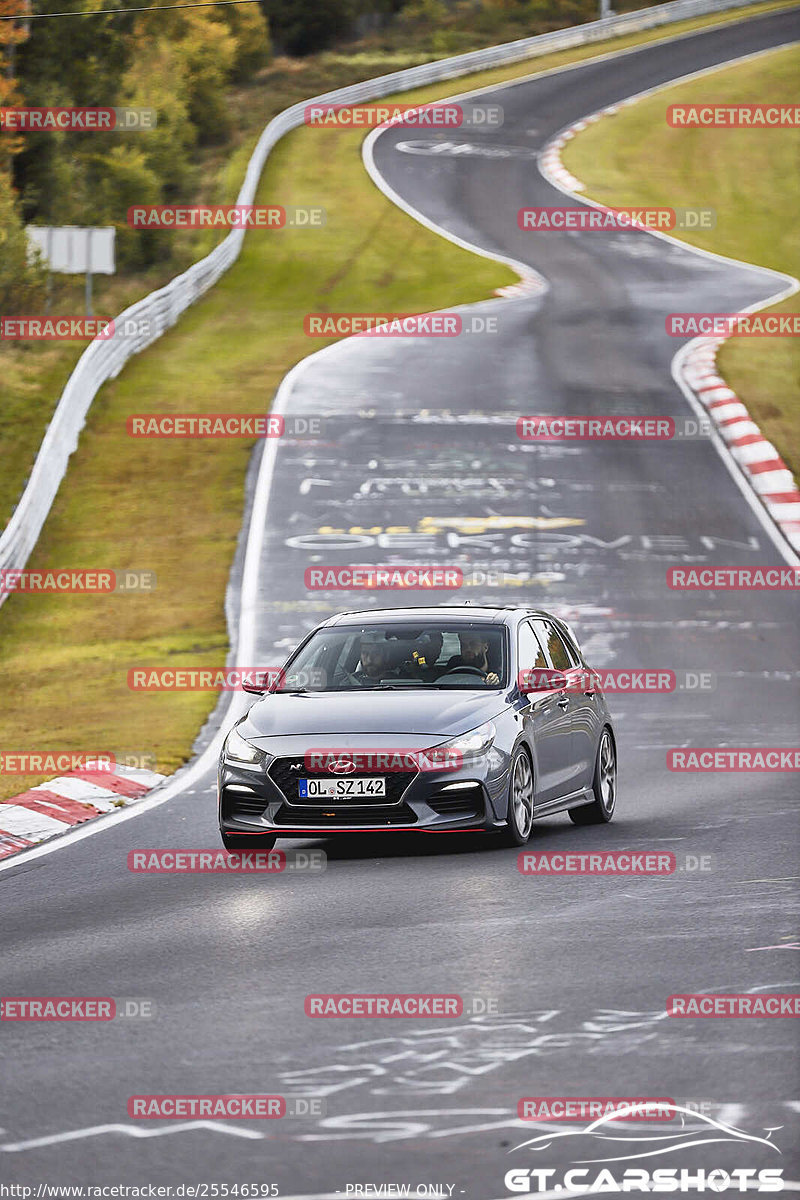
474,743
240,752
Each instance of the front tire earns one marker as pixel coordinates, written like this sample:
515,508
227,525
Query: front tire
520,801
604,786
235,841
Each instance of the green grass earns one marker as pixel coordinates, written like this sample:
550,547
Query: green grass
749,177
174,507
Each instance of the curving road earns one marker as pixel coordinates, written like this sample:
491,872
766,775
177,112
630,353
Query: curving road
420,463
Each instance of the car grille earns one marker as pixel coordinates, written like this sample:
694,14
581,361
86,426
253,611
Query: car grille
323,818
464,802
242,806
285,772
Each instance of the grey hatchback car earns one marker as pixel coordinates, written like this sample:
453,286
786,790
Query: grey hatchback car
429,720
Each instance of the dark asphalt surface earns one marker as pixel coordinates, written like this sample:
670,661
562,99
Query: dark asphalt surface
420,464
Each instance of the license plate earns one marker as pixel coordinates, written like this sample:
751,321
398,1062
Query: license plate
341,788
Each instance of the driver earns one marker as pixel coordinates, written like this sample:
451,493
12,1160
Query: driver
373,664
474,653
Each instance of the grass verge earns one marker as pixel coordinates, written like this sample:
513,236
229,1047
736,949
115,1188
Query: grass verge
174,507
634,158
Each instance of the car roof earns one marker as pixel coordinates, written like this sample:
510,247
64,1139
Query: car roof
493,613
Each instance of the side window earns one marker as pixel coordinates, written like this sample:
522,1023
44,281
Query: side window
562,659
530,653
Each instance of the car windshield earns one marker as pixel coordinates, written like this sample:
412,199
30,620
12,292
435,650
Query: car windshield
392,656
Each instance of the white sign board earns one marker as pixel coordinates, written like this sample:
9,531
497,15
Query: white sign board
71,250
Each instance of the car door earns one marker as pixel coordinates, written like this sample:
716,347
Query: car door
584,707
547,720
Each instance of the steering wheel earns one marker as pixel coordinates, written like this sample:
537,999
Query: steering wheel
352,678
466,671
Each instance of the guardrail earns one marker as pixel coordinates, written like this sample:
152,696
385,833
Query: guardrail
155,313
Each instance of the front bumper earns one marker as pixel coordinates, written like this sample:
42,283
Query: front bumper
253,801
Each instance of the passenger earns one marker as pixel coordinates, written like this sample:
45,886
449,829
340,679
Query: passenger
422,664
474,653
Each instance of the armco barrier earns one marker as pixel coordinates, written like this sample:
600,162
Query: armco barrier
157,312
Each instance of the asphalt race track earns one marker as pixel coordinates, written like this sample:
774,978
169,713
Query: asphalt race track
419,462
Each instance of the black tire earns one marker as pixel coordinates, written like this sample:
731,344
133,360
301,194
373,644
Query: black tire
520,812
604,786
235,841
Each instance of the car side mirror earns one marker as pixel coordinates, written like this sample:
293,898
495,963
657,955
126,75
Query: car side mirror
541,679
260,682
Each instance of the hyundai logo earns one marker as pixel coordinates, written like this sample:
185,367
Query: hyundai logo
343,766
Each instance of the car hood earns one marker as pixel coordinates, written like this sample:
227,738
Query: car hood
437,714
